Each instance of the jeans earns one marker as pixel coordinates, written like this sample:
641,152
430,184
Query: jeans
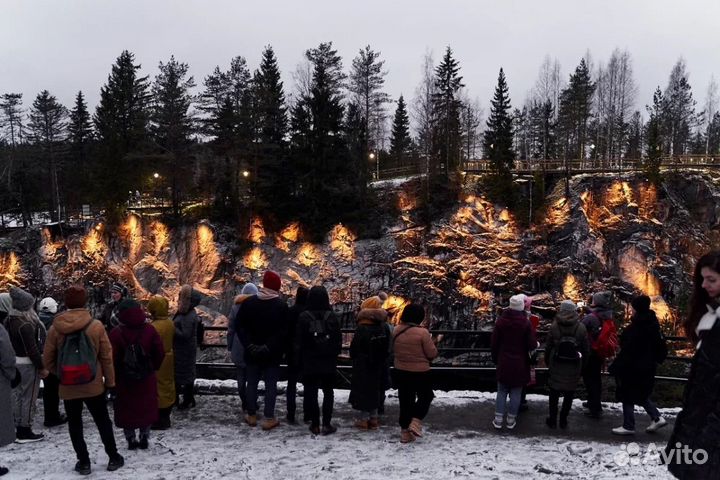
592,378
414,395
25,395
98,410
270,375
566,405
312,384
501,400
242,386
629,413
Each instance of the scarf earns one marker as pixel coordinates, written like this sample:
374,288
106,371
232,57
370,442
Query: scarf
706,323
267,294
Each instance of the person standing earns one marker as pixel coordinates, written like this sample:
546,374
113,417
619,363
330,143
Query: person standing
51,397
369,350
235,347
262,320
8,375
511,343
137,355
77,320
185,345
697,426
318,344
414,349
109,316
642,348
158,310
600,310
27,335
293,372
566,348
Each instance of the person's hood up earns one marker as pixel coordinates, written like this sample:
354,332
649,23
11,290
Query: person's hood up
72,320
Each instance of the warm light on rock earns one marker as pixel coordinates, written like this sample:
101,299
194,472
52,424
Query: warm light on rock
160,237
9,269
255,259
257,231
342,242
395,306
289,234
406,202
308,255
571,288
132,231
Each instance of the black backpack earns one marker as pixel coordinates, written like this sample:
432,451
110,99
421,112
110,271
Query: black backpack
136,363
320,338
567,349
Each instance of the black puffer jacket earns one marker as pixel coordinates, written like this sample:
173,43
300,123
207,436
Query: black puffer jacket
698,424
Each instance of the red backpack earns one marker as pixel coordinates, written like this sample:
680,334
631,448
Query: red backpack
607,344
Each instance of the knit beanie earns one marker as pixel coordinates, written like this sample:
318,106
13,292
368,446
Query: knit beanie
373,302
272,280
567,307
517,302
528,302
641,304
120,288
249,289
75,296
132,314
413,313
127,304
22,301
601,300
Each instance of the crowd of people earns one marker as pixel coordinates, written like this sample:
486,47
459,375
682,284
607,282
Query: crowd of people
144,361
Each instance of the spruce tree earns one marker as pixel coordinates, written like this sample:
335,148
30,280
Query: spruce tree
654,137
575,112
366,82
48,120
172,126
274,184
498,137
400,141
121,123
446,132
80,135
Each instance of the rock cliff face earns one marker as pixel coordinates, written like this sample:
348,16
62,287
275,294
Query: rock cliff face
621,234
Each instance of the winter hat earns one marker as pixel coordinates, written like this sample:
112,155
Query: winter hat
517,302
120,288
528,302
413,313
567,308
126,304
249,289
383,296
272,280
22,301
132,313
48,305
601,300
158,307
75,296
301,295
373,302
641,304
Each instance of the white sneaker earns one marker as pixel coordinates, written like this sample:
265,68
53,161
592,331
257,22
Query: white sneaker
511,422
656,425
497,422
622,431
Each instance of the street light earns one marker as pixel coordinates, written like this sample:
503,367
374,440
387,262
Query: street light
156,175
245,173
373,156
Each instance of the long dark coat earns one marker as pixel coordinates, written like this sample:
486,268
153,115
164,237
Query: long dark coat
309,360
698,424
185,341
635,365
564,376
7,374
369,362
136,404
512,340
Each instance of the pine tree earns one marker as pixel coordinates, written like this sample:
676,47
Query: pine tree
400,141
367,79
678,117
498,137
654,137
172,125
80,135
12,124
121,123
446,131
274,183
542,130
48,120
356,140
635,137
575,112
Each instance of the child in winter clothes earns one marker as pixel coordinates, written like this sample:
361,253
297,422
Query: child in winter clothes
414,350
369,351
566,349
136,404
512,341
235,347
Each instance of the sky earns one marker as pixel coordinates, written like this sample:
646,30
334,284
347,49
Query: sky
70,45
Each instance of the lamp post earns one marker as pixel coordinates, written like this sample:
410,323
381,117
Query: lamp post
376,158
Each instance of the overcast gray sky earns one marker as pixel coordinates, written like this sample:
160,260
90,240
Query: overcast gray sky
70,45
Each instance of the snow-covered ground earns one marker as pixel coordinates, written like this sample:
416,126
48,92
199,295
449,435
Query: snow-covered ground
210,442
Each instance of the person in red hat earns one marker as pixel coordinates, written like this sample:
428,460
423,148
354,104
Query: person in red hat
263,323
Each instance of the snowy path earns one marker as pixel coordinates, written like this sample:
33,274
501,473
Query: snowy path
209,442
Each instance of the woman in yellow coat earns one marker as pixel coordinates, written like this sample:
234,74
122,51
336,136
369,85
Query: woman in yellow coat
158,309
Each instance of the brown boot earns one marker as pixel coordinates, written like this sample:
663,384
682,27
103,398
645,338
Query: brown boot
363,424
251,420
406,436
416,427
373,423
270,423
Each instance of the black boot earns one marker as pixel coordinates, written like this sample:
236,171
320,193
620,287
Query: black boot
143,443
83,467
188,398
3,471
26,435
115,462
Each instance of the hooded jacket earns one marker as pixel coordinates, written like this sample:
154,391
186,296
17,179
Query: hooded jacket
564,376
71,321
158,309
